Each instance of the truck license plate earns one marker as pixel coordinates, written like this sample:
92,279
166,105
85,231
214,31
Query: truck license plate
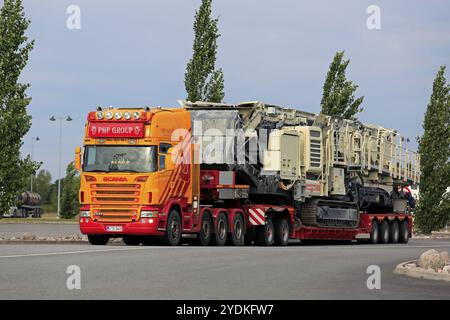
114,228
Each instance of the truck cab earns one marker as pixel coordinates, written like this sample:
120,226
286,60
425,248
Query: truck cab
127,174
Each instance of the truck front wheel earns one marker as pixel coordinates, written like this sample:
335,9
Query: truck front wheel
264,234
384,232
131,240
98,240
172,236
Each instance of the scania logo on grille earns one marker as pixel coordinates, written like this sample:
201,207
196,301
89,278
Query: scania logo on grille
115,179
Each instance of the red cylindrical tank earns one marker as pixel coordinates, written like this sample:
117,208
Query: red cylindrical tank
30,198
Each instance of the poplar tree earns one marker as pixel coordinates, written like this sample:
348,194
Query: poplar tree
433,210
70,187
14,120
338,93
202,80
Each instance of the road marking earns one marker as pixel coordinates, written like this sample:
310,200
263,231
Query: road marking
70,252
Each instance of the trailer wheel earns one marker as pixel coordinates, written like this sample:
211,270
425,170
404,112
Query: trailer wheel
206,228
404,232
281,232
219,237
98,240
265,234
374,233
238,235
394,232
249,237
384,232
173,232
131,240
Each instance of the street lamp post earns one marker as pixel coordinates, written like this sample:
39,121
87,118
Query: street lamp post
53,118
33,139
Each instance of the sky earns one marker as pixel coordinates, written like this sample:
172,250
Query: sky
134,53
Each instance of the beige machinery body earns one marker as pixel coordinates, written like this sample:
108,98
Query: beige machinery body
313,155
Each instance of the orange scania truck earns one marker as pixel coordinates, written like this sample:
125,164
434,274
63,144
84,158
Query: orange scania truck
248,173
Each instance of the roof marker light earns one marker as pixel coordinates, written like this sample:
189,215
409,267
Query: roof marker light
100,115
109,115
127,115
118,115
136,115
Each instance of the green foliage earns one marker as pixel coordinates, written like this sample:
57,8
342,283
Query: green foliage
69,192
42,184
338,92
434,147
14,120
202,81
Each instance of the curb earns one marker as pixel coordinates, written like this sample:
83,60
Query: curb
42,241
4,221
401,269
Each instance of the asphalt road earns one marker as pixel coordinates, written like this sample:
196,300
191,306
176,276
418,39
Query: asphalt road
296,272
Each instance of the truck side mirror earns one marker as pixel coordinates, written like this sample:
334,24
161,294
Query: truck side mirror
78,158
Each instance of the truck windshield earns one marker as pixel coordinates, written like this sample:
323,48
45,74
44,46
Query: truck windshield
119,159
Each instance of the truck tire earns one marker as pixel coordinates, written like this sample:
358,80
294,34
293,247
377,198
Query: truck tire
131,240
384,232
281,232
219,237
374,233
206,229
404,232
172,236
249,237
98,240
265,234
394,232
237,238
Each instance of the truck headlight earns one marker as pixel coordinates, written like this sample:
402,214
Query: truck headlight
149,214
85,214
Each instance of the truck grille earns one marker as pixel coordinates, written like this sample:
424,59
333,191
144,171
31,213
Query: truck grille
115,202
